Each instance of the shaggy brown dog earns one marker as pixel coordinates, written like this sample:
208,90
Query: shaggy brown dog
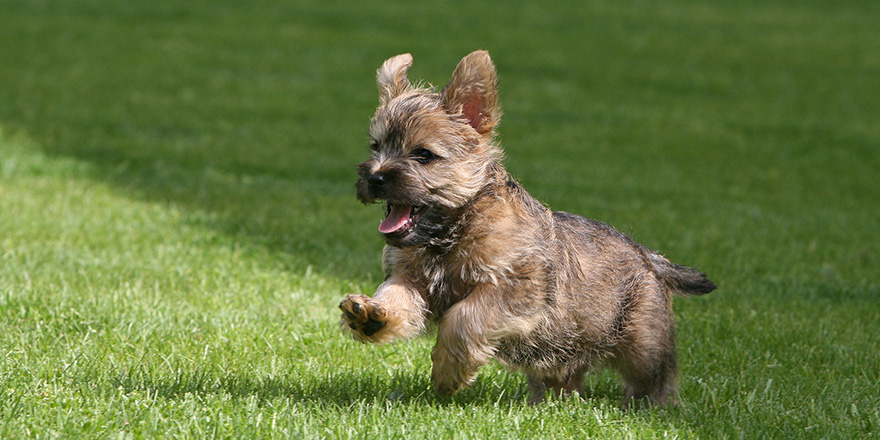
547,293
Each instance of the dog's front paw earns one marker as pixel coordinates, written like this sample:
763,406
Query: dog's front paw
450,374
364,317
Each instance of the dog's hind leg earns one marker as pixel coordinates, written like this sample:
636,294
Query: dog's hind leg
648,366
539,386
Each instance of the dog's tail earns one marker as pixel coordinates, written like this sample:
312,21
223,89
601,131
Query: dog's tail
681,279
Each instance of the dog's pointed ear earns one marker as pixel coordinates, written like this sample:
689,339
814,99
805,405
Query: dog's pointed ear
391,77
473,92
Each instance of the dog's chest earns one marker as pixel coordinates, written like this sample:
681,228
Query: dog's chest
440,284
442,279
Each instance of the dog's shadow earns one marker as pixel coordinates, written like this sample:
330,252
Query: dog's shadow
339,389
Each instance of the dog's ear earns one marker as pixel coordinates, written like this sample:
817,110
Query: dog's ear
473,92
391,77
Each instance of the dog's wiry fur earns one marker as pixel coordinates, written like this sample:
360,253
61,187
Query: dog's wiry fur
548,293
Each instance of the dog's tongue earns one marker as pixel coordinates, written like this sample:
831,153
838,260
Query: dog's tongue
396,219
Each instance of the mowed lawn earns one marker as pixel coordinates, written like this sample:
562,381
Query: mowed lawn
178,220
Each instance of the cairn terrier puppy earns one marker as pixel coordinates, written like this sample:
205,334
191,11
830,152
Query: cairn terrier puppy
547,293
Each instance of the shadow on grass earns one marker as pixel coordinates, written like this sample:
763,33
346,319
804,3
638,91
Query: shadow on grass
333,389
310,220
257,139
343,388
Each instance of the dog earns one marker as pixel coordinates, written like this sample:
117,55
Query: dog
547,293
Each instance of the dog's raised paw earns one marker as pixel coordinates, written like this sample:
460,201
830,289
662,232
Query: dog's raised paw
362,315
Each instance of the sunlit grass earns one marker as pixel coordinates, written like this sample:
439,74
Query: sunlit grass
178,223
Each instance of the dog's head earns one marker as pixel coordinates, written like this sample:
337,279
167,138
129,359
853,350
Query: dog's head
430,152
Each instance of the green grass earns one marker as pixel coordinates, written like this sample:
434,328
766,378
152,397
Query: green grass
178,223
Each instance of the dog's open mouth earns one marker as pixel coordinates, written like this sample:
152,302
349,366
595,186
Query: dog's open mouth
400,219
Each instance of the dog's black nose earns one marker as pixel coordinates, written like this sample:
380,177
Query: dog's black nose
377,179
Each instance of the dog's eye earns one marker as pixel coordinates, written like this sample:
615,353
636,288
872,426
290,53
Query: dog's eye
422,155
